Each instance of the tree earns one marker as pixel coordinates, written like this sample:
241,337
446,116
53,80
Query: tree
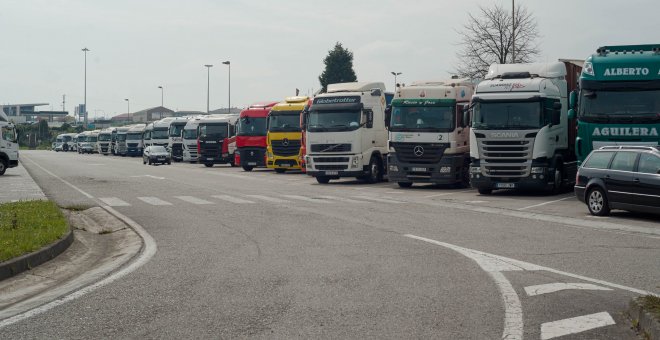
65,127
488,39
338,67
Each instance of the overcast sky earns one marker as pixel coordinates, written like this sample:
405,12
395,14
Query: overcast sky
274,46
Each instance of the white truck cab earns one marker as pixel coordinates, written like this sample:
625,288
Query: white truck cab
346,134
134,144
190,140
8,143
160,134
175,133
104,142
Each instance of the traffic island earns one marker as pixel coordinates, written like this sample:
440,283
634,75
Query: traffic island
644,312
31,233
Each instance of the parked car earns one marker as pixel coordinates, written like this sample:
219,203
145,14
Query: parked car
620,177
155,154
85,147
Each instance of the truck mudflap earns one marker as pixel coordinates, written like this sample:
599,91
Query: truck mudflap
449,170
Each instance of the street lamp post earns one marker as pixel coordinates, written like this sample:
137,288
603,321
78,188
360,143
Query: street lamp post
85,96
229,91
395,74
161,95
208,86
128,109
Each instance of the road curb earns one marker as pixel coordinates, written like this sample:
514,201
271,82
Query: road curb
28,261
643,321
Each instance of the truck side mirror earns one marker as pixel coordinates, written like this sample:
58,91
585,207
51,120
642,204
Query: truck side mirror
388,115
466,118
556,117
571,114
370,118
572,99
376,92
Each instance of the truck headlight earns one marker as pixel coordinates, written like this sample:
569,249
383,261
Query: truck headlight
392,150
394,168
269,154
475,170
538,170
355,162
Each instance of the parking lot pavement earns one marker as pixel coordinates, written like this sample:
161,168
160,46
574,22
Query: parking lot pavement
18,185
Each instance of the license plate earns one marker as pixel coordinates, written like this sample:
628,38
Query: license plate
252,163
332,173
286,165
505,185
210,159
419,169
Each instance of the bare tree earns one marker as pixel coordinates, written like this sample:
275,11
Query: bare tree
488,38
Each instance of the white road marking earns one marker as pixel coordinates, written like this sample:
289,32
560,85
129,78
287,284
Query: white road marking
343,199
377,199
113,202
476,202
231,199
149,250
448,193
193,200
549,202
559,286
574,325
268,198
150,176
307,199
154,201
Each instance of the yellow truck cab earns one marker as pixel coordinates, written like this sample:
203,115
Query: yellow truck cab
284,134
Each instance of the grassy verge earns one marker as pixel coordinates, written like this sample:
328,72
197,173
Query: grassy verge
651,304
29,225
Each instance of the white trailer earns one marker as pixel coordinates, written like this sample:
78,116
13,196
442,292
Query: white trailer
346,134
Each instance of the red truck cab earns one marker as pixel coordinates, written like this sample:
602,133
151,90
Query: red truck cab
251,134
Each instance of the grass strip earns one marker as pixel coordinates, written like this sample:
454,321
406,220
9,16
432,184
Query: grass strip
650,304
27,226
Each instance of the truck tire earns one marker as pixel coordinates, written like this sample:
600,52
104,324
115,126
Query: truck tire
149,161
405,184
485,191
558,181
247,168
597,202
375,174
323,179
208,165
3,166
280,170
465,178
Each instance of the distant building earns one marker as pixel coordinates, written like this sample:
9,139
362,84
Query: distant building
224,110
144,116
26,113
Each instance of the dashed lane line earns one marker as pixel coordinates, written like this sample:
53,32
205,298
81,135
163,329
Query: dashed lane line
232,199
559,286
550,330
114,202
193,200
343,199
267,198
154,201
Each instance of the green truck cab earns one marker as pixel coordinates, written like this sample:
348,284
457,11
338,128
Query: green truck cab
618,102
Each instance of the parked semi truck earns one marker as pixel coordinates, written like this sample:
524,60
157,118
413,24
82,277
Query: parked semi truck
93,140
146,136
120,140
618,102
346,134
284,134
251,132
303,135
160,132
429,139
175,142
215,136
8,143
190,140
134,137
105,140
520,129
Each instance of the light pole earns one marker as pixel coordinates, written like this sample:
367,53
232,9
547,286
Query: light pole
395,74
229,91
85,96
161,95
208,86
128,109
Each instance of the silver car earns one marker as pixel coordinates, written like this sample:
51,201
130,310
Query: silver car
156,154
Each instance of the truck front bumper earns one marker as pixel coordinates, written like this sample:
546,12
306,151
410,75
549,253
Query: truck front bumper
447,171
535,180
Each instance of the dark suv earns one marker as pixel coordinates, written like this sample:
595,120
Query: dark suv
620,177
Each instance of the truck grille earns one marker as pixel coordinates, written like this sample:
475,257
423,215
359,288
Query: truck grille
252,155
210,149
419,153
331,167
177,149
291,149
132,145
331,159
505,158
331,147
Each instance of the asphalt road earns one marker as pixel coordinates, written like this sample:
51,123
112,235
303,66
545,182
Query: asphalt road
279,256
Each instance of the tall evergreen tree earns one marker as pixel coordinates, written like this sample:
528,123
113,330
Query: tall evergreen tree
338,67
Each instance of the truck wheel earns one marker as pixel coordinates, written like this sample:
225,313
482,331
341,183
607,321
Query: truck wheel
465,177
3,166
597,202
149,161
405,184
559,179
485,191
247,168
323,179
208,165
375,171
281,171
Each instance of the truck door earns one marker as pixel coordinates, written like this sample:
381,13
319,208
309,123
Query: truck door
556,132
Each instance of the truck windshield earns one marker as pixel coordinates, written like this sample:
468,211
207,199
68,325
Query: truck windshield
159,134
92,139
620,106
104,138
284,121
333,121
507,115
215,131
423,118
175,129
251,126
133,136
66,139
120,137
190,134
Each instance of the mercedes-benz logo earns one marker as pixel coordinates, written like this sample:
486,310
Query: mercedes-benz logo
251,153
285,142
418,151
